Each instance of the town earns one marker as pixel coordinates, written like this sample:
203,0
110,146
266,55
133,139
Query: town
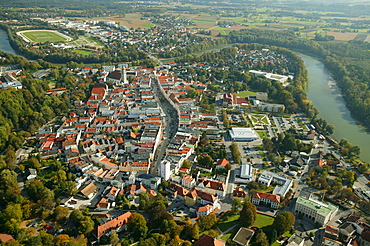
217,149
145,133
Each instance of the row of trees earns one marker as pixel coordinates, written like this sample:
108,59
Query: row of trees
235,153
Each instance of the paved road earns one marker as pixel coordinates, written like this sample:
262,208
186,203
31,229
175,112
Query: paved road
170,124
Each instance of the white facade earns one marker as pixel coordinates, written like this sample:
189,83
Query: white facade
165,170
283,183
318,211
246,174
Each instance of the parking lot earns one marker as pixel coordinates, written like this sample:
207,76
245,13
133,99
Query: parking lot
179,209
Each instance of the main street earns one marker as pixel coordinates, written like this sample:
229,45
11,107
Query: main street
170,124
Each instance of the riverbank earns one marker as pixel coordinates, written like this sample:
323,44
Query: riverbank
327,97
4,44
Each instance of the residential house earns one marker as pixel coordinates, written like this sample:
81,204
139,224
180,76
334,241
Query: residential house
134,190
297,162
187,181
103,204
118,224
204,210
88,191
5,238
240,193
211,186
222,163
150,181
197,196
364,238
112,194
284,166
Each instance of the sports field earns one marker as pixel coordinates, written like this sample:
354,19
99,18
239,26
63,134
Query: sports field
42,36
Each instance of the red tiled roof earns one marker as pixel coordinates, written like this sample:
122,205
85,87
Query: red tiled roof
206,240
272,197
112,224
5,237
204,208
222,162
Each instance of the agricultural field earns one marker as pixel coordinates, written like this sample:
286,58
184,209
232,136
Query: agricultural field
42,36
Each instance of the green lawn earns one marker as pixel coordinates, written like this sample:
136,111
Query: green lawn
39,36
263,221
230,234
228,221
246,94
148,25
262,134
83,52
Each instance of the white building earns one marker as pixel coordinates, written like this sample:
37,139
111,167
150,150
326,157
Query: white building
320,212
246,174
270,107
187,181
283,79
243,134
266,198
165,170
283,183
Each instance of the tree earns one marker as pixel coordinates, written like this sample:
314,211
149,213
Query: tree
248,214
86,225
228,166
194,232
186,164
137,226
61,214
206,222
10,218
351,176
205,160
364,168
236,204
192,93
144,200
213,233
113,238
261,239
330,129
283,222
273,237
